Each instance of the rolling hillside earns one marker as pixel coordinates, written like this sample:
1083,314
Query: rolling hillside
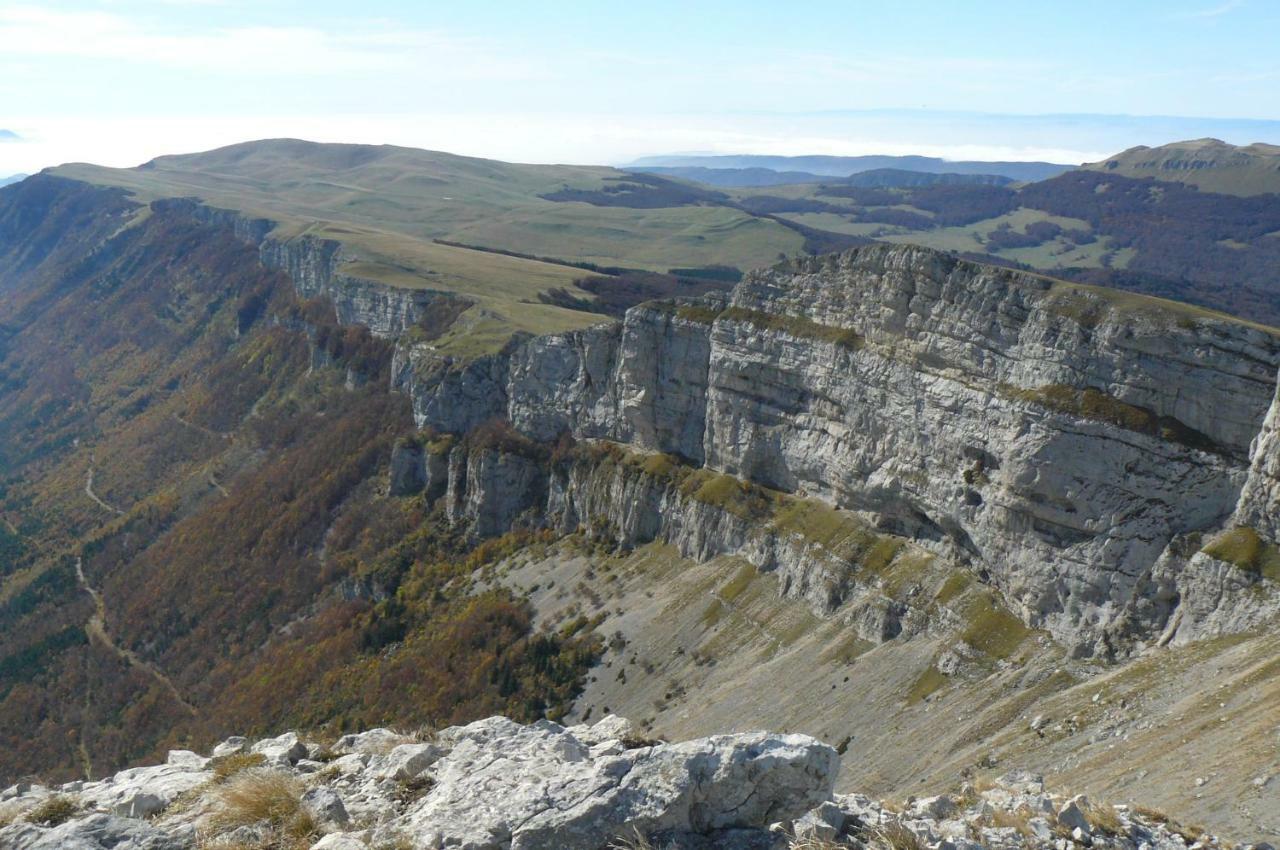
519,236
1210,164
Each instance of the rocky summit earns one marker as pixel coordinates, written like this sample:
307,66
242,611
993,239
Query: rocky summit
495,784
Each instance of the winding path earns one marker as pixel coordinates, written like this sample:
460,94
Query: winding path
96,629
88,491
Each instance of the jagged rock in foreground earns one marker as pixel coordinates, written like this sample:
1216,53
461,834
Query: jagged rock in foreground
491,785
495,784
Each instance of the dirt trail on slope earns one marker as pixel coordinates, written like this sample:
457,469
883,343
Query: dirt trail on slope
96,629
88,491
209,432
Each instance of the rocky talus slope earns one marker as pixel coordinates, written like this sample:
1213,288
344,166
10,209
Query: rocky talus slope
495,784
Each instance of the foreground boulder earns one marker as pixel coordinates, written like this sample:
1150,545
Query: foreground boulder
539,788
95,832
492,785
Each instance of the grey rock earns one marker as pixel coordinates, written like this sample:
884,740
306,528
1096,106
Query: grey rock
143,791
969,376
282,750
824,823
325,806
339,841
372,742
231,746
1259,506
407,761
505,785
1072,816
95,832
186,759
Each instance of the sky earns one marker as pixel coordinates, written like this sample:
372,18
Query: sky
118,82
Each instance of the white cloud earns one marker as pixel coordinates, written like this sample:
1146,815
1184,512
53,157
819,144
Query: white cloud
566,138
30,31
1214,11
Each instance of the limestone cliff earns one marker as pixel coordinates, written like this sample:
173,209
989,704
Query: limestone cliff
1260,501
1068,444
1056,438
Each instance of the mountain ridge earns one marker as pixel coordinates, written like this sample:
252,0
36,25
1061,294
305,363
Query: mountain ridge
1210,164
843,166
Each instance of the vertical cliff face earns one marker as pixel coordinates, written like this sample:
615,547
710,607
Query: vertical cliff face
1056,438
1260,500
315,266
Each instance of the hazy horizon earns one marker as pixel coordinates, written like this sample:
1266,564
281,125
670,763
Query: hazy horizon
118,82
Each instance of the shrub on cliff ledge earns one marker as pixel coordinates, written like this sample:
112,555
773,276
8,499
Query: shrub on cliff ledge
498,435
1244,548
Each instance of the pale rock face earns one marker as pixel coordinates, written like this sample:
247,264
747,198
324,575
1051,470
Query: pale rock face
920,390
285,749
406,761
1260,500
372,742
96,832
231,746
142,791
537,787
942,398
489,490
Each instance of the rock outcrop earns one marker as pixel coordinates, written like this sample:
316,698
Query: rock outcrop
490,785
495,784
1068,444
1057,438
1259,506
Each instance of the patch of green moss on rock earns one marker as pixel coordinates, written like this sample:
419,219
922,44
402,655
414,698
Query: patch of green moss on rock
928,683
1244,548
797,326
1092,403
992,629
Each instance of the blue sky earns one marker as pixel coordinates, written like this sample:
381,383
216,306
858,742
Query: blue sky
118,81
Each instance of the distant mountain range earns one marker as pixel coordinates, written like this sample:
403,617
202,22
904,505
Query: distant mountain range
844,166
1210,164
744,178
8,136
12,178
732,177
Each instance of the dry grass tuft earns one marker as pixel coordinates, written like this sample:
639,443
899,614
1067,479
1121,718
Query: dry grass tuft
1012,820
635,841
814,843
53,811
265,798
1104,818
894,836
1153,815
225,767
